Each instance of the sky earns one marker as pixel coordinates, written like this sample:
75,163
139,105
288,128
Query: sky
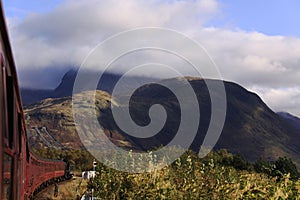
254,43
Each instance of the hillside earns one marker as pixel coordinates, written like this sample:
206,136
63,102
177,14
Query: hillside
251,128
55,115
293,120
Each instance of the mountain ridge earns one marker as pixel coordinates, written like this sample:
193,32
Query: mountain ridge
65,87
251,127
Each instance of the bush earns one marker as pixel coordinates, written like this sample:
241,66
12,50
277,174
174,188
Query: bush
239,162
192,178
262,166
285,166
282,166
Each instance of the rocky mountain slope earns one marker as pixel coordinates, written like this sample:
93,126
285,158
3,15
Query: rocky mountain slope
55,116
293,120
251,128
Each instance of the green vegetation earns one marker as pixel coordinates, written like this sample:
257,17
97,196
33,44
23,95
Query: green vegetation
219,175
79,158
278,168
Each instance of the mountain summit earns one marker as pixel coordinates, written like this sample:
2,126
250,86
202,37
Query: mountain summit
65,88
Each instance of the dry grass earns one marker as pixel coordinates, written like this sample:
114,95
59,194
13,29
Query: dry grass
191,178
67,190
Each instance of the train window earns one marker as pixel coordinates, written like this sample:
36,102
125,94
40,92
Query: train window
10,108
27,153
7,180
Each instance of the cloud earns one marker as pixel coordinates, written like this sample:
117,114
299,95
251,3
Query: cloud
254,58
64,36
281,99
76,26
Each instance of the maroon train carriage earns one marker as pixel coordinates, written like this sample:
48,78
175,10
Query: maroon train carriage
22,174
13,137
43,172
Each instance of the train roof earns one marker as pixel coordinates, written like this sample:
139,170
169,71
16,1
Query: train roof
10,63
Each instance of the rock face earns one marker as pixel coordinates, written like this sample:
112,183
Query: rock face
251,128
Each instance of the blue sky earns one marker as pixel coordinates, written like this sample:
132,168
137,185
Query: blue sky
255,43
271,17
21,8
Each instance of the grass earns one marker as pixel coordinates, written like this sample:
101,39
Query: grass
190,177
67,190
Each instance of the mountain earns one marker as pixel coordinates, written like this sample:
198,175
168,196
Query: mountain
65,87
251,128
39,136
293,120
106,83
53,117
30,96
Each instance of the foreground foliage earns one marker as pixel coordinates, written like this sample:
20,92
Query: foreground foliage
215,177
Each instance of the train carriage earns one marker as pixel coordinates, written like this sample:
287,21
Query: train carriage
12,139
43,172
22,174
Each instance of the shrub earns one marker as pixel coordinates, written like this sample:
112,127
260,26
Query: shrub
192,178
262,166
285,166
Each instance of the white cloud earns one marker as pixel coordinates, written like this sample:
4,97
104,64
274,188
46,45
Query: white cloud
64,36
281,99
77,26
253,58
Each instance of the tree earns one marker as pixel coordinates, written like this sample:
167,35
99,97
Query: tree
284,166
239,162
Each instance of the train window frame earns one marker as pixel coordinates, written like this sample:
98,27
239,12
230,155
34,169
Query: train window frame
3,184
19,132
2,117
5,123
10,100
